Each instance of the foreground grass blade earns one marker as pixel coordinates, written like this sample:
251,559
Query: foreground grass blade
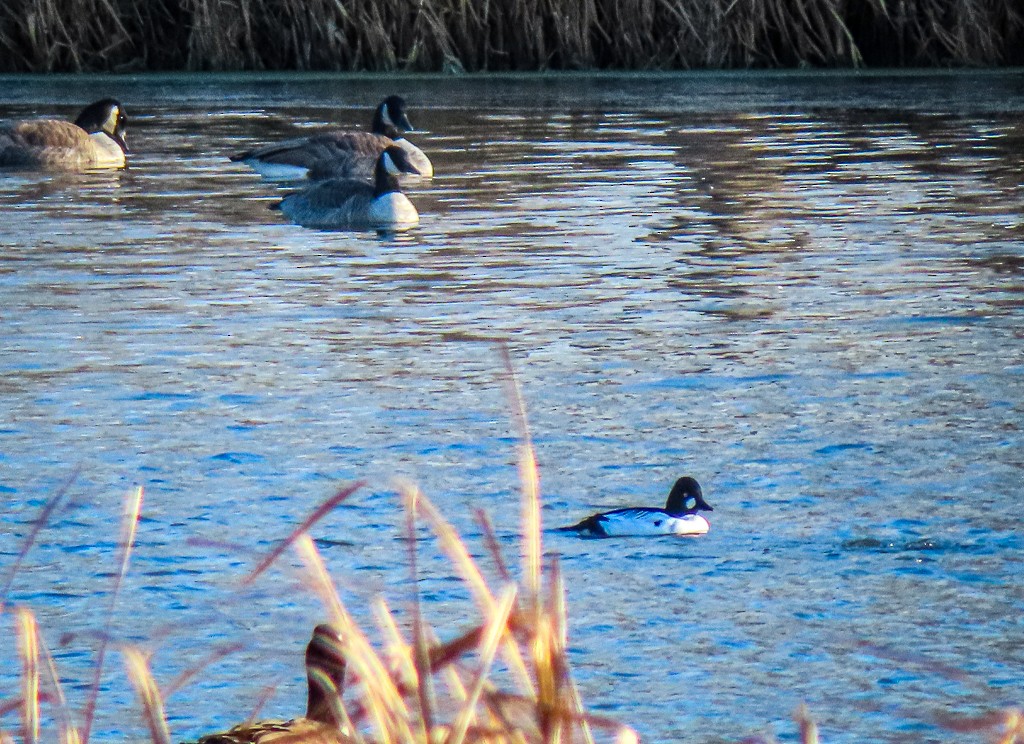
423,680
491,543
386,706
28,648
496,626
808,728
129,527
42,520
68,731
149,694
312,519
1013,727
1006,726
559,613
261,699
529,481
193,671
499,702
458,554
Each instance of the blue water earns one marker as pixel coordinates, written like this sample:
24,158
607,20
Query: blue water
804,290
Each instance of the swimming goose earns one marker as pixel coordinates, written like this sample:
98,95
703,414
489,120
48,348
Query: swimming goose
325,676
679,517
340,202
339,153
96,139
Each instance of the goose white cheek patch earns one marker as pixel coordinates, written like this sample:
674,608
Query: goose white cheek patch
389,164
110,125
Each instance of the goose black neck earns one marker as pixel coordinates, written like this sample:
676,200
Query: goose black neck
384,181
379,126
319,705
325,676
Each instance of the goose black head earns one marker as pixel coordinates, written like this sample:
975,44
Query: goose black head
107,116
390,118
396,161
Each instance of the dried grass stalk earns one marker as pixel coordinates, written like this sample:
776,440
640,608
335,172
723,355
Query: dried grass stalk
129,528
385,703
454,35
28,649
458,554
495,628
137,665
37,524
808,728
529,480
319,513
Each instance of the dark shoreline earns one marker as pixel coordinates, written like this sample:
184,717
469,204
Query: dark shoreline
943,91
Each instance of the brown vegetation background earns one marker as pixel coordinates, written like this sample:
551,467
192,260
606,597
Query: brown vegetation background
501,35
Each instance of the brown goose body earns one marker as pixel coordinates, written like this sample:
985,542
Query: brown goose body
338,153
326,155
325,676
295,731
94,140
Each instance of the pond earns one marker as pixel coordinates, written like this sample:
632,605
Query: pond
806,290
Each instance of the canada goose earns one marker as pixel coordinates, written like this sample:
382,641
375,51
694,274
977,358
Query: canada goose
325,676
348,202
679,517
339,153
95,140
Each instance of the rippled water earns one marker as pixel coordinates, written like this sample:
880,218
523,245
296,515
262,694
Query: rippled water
805,290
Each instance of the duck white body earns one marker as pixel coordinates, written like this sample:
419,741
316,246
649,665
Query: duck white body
352,203
339,154
96,139
679,517
641,522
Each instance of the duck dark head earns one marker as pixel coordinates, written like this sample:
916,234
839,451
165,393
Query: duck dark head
686,498
325,672
107,116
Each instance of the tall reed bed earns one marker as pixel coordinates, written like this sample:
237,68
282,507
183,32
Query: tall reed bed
501,35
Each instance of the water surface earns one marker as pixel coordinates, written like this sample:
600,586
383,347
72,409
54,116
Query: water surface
804,290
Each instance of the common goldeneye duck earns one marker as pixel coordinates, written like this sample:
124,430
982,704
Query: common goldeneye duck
340,153
96,139
679,517
325,673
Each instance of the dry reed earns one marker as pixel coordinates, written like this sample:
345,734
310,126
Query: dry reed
454,35
421,691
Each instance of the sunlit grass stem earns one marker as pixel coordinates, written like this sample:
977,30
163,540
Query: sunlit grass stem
129,528
28,647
